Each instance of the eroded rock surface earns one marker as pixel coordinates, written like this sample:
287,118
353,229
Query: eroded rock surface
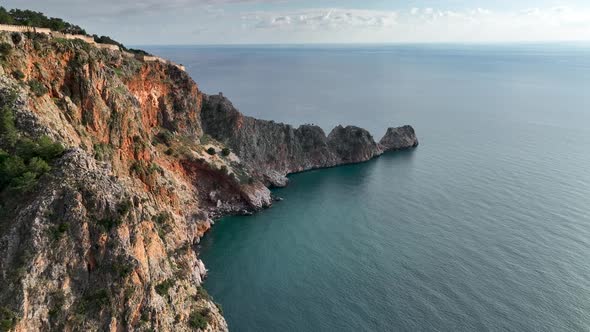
399,138
273,150
107,238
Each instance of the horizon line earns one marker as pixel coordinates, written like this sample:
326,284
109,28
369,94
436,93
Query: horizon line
523,42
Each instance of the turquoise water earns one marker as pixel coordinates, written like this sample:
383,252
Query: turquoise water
485,226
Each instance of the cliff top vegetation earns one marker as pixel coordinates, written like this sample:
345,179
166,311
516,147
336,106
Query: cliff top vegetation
39,20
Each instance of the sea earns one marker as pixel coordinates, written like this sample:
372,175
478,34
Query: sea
484,227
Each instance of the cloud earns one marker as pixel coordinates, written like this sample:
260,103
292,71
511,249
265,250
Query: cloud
426,24
329,19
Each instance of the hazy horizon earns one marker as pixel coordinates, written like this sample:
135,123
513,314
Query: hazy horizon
482,43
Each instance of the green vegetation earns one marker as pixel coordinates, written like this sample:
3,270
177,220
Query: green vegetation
139,144
124,207
138,52
16,38
219,307
22,160
109,223
163,287
8,319
225,152
37,88
5,50
165,136
199,319
103,152
119,72
162,218
58,231
107,40
211,151
117,217
19,75
202,294
93,301
122,268
37,19
143,169
162,221
59,300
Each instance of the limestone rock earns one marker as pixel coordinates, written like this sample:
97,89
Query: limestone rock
399,138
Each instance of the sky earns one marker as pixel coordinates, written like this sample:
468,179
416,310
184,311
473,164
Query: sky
168,22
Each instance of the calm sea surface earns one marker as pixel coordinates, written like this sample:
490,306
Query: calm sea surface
484,227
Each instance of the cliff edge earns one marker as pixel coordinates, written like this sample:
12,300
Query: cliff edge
112,169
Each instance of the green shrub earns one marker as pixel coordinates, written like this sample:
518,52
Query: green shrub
43,148
211,151
102,152
8,131
202,294
123,268
165,136
16,38
22,160
163,287
8,319
58,231
59,299
37,88
5,50
20,171
19,75
219,308
38,166
109,223
225,152
143,169
94,301
124,207
162,218
199,319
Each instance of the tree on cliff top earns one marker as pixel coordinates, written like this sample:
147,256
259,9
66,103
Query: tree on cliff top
38,19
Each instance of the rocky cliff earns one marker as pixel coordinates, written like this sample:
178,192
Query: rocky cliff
272,150
112,169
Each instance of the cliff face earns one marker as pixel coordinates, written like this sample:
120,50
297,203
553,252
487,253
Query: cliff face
104,237
273,150
399,138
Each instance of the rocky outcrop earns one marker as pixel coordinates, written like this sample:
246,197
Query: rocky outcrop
399,138
106,238
274,150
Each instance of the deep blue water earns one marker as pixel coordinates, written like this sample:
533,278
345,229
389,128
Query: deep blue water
485,226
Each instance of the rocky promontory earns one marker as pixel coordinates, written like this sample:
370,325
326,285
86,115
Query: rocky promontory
111,171
273,150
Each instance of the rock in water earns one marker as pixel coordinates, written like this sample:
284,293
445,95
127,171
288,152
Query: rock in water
399,138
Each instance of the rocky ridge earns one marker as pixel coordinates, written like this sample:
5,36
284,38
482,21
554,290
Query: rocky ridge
107,238
272,150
